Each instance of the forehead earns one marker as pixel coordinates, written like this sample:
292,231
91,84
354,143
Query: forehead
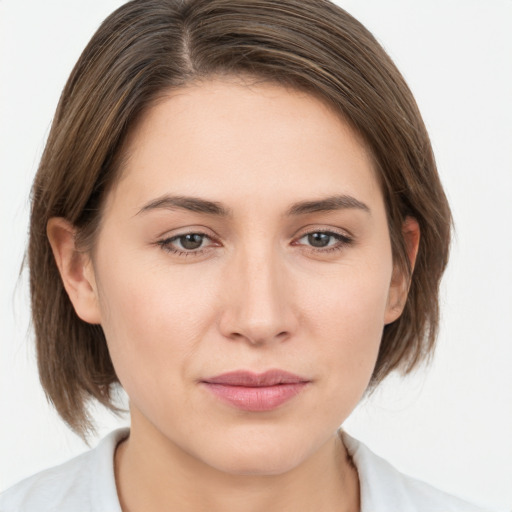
230,139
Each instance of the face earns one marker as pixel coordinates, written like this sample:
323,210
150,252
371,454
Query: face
243,274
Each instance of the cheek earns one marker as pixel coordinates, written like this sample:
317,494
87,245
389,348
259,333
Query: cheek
351,303
153,319
346,315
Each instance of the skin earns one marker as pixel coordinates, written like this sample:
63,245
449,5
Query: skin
256,295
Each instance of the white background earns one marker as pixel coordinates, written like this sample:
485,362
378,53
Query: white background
452,425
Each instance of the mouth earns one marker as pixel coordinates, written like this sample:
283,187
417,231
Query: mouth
256,392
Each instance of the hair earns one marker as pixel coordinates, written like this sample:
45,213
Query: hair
147,47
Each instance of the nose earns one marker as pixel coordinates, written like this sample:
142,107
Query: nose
259,306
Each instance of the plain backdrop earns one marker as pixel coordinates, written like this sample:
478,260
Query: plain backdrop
450,425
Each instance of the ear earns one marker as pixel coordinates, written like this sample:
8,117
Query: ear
75,269
400,282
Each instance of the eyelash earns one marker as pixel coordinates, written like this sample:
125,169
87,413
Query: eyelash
167,246
343,241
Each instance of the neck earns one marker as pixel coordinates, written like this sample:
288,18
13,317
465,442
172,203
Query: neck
153,477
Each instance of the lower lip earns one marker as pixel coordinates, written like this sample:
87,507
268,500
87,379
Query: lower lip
256,399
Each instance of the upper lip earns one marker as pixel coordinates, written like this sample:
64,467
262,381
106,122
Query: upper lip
251,379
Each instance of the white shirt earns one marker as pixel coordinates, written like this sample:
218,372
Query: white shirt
87,484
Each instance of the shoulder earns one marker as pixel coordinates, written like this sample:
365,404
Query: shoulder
85,483
384,489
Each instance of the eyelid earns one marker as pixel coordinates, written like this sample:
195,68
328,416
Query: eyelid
165,241
308,230
343,238
198,229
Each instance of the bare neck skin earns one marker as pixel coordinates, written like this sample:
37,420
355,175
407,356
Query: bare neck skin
152,479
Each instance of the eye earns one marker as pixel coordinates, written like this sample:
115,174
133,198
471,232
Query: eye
190,242
187,243
326,240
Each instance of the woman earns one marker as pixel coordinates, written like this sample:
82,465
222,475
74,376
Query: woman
238,219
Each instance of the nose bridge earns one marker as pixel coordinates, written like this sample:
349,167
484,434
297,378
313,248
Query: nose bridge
259,305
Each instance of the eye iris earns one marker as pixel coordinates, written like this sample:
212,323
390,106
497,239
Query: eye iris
319,239
191,241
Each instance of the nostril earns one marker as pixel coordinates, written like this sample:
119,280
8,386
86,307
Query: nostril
258,339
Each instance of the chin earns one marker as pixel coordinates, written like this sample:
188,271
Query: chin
259,464
258,455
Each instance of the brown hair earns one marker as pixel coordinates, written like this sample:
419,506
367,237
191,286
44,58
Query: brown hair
147,47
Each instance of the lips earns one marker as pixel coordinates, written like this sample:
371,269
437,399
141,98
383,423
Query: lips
256,392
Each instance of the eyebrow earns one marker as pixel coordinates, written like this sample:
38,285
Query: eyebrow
193,204
198,205
331,203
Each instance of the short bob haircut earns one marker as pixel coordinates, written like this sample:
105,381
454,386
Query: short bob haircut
148,47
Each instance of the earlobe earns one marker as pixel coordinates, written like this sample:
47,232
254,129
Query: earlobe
400,282
75,269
